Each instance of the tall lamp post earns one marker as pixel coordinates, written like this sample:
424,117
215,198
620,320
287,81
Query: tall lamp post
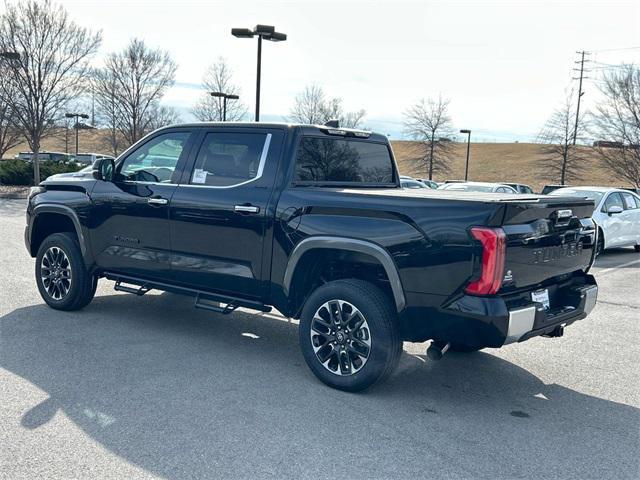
77,116
261,31
225,97
466,165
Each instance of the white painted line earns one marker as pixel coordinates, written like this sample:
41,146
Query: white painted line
608,270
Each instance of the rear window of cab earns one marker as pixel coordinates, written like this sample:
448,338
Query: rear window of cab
340,161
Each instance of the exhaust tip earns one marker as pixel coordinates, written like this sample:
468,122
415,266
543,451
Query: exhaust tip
437,350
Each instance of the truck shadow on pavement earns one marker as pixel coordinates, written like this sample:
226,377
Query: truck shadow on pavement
184,393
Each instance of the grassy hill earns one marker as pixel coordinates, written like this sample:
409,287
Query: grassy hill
505,162
515,162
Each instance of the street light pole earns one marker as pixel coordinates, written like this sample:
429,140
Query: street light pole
225,97
266,32
77,116
258,74
466,166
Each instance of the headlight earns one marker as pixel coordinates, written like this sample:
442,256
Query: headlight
33,191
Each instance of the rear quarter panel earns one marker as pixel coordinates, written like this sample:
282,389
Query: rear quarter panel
427,238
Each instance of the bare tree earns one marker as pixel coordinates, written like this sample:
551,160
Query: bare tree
104,87
312,106
162,116
10,134
429,123
617,120
219,78
129,88
562,161
54,54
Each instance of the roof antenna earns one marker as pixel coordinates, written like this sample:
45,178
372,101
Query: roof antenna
333,123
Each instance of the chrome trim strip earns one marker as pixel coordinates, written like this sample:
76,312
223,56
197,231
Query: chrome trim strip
263,160
520,322
246,208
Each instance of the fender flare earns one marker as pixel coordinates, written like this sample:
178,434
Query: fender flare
62,210
350,244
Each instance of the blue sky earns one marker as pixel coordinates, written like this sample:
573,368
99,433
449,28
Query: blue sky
504,65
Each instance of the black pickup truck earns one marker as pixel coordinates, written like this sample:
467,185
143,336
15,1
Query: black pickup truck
311,220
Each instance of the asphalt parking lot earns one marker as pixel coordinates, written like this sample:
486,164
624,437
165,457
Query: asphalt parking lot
148,387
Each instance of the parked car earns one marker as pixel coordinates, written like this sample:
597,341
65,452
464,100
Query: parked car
520,187
477,187
90,158
411,183
313,221
429,183
616,213
45,156
547,189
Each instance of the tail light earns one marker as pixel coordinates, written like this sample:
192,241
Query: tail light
493,242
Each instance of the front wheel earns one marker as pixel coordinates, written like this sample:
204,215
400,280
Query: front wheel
61,276
348,334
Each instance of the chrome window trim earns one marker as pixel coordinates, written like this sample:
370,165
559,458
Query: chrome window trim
263,160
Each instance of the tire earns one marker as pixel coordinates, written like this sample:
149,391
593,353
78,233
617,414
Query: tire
367,344
636,248
460,348
59,258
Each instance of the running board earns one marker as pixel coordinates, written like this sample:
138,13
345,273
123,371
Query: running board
137,290
206,304
204,300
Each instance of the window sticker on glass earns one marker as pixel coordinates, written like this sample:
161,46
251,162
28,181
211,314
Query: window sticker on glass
199,176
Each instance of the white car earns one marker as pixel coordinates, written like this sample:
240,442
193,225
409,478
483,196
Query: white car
617,214
90,158
477,187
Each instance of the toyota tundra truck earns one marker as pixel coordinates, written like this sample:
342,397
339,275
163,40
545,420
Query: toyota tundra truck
311,220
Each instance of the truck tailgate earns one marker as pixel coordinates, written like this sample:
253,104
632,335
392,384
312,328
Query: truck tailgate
545,239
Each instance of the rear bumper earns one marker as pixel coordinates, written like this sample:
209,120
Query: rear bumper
498,320
533,320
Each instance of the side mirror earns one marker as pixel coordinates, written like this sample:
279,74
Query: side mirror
103,169
613,209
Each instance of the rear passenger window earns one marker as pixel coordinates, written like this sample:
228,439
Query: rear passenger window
343,161
227,159
629,201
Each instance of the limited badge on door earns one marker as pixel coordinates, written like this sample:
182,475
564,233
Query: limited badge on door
541,296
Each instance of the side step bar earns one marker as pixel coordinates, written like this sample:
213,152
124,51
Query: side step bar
140,290
204,300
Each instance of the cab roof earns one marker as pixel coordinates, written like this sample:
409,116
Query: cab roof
307,129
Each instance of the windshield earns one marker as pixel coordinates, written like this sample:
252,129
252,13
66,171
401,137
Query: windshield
572,192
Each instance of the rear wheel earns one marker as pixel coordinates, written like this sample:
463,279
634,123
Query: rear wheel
348,335
61,276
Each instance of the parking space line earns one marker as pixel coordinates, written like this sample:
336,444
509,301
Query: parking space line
617,267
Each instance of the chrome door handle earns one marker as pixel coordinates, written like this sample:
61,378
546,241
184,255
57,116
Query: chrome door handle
157,201
246,209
